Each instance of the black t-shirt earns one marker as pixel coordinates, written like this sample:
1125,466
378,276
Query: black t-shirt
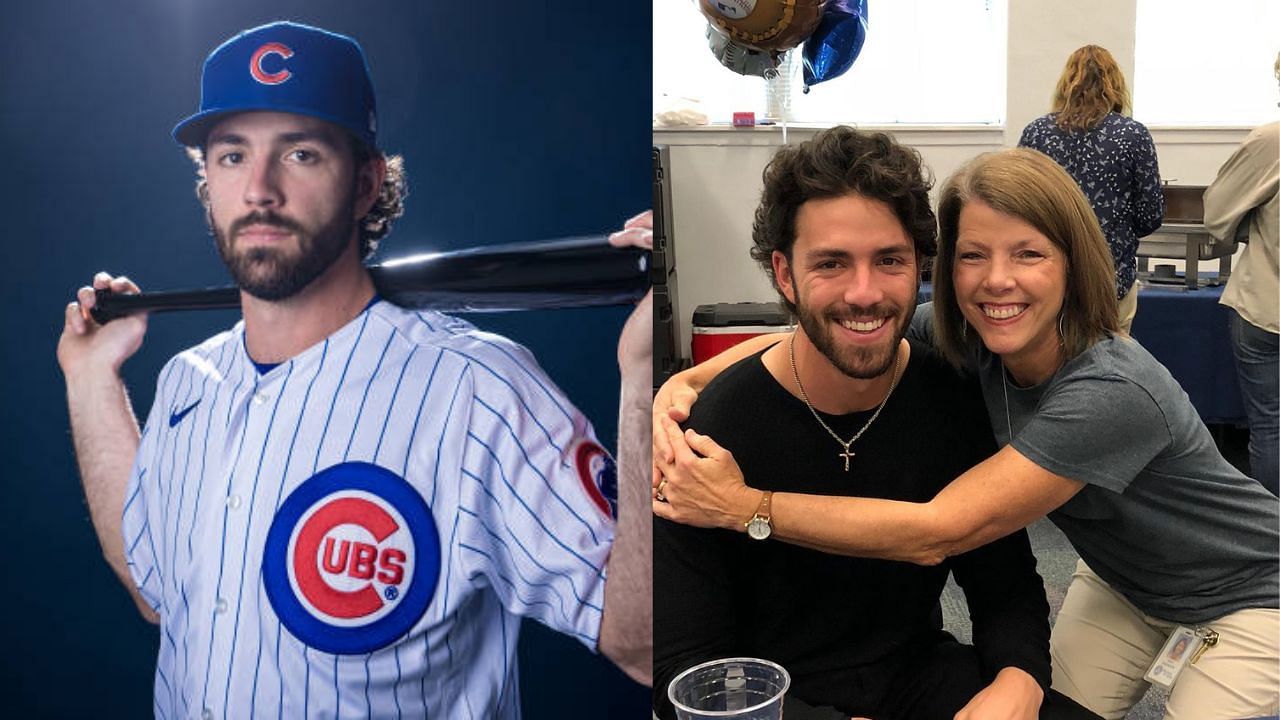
835,623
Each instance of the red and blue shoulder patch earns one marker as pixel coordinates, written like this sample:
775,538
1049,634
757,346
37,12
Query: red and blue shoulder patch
598,474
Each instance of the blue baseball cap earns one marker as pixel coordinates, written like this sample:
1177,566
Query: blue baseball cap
285,67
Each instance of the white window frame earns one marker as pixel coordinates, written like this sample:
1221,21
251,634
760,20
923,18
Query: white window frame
1199,64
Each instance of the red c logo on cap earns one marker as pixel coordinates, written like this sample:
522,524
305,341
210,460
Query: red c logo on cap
255,64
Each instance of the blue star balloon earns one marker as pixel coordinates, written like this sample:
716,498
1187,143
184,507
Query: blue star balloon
831,49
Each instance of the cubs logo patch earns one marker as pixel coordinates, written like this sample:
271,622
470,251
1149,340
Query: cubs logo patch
598,475
352,559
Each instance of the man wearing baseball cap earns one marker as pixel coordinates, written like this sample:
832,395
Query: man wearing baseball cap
340,506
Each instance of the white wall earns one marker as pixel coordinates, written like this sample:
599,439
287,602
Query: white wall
715,172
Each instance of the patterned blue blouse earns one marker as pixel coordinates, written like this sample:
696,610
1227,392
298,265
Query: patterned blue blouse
1115,164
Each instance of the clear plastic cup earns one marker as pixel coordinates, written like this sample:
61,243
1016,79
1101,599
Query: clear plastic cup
741,688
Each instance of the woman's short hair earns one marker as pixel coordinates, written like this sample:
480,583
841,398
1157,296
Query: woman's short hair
1030,186
1091,86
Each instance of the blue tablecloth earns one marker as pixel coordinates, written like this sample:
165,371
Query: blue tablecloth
1186,330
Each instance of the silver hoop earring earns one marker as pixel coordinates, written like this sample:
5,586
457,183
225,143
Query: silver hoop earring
1062,335
964,330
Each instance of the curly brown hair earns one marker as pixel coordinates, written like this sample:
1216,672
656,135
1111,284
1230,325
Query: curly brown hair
841,161
377,222
1091,86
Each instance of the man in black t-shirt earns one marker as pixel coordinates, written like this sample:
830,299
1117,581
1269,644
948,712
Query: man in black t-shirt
846,406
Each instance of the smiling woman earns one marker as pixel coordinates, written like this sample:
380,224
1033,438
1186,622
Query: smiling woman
1007,276
1009,281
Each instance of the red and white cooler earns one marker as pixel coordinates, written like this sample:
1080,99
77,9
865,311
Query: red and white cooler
722,325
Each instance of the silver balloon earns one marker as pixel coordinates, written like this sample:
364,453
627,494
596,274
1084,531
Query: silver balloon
740,58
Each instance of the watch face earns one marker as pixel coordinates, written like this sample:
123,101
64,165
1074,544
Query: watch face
758,528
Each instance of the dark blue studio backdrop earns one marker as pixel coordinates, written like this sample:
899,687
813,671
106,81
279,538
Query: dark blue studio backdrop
517,121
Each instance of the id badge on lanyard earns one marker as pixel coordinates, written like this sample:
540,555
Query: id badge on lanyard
1184,647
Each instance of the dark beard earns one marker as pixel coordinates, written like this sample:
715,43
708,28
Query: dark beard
858,363
266,273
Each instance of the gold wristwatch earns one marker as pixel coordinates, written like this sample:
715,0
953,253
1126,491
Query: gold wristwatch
760,527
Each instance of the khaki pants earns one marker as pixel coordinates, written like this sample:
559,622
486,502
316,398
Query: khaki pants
1127,308
1102,646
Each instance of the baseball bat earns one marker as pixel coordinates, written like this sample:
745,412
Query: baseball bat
544,274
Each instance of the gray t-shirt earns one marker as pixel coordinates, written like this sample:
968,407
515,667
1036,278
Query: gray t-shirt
1163,518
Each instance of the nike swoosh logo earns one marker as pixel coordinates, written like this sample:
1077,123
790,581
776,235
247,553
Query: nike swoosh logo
175,418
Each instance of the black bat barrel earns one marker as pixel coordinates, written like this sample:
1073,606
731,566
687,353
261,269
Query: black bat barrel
544,274
571,272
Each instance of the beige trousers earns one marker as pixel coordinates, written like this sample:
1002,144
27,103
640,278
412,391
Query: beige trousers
1128,307
1102,646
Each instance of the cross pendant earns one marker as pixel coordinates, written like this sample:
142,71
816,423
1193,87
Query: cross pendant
846,455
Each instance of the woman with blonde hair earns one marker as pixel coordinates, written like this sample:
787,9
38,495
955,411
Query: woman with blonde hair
1111,156
1095,434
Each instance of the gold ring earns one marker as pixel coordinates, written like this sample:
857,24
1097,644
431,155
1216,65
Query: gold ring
658,495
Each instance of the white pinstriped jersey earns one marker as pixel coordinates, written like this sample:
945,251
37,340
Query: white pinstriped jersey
358,531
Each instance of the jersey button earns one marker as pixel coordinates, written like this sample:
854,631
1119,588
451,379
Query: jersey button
233,502
219,607
206,714
259,398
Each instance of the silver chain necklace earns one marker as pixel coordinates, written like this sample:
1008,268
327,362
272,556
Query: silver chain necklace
1004,384
847,455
